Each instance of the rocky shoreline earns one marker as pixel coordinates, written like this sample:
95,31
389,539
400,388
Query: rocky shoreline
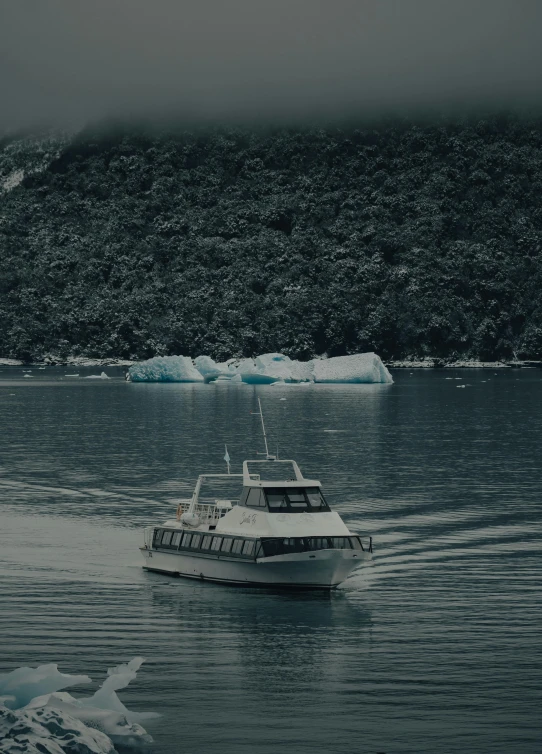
426,363
435,363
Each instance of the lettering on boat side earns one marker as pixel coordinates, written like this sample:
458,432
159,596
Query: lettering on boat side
248,518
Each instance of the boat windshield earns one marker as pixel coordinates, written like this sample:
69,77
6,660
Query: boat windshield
295,499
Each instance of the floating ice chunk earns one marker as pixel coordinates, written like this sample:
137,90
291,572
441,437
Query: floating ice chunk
272,368
49,731
252,374
360,367
57,723
266,369
165,369
283,368
102,376
23,684
117,678
28,376
212,370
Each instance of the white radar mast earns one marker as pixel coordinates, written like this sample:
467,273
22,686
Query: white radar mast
268,456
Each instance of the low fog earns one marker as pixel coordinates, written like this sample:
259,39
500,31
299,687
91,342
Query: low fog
68,61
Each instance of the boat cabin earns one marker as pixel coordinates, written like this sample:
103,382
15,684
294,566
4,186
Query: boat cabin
281,499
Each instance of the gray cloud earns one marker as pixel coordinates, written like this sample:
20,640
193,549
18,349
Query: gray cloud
73,59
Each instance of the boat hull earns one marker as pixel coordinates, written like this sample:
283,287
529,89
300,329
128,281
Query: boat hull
324,569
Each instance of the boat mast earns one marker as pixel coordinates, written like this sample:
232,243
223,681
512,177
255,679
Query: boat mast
263,430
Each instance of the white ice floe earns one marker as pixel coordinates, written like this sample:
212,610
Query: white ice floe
360,367
209,369
265,369
165,369
36,716
102,376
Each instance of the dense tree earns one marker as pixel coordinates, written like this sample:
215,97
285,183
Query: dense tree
410,239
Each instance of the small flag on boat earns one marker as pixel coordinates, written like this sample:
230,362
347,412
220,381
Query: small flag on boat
227,457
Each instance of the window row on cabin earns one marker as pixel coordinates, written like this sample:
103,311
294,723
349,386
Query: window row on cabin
176,540
284,499
306,544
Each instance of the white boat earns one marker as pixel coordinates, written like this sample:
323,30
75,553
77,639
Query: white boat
277,534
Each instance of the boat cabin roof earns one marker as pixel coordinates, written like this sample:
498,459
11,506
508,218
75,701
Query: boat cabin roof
286,477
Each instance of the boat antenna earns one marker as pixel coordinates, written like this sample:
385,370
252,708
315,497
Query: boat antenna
227,458
260,414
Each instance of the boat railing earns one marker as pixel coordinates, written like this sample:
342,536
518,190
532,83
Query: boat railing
207,511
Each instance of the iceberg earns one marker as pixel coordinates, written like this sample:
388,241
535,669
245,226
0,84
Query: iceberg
211,370
254,373
36,716
266,369
165,369
360,367
281,367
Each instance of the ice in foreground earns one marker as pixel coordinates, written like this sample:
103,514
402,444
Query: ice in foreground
37,716
265,369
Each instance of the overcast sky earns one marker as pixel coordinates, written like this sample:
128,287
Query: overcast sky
80,59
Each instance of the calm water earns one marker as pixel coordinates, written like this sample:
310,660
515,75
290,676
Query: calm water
435,647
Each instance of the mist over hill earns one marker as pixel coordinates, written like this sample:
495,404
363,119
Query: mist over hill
407,238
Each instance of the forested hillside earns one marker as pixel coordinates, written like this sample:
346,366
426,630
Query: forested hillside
409,239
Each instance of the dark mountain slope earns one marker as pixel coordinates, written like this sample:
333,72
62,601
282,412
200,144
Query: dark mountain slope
406,239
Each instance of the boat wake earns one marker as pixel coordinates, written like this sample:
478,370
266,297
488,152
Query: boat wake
37,716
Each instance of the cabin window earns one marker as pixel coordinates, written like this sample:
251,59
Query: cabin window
206,542
237,546
175,540
316,499
295,499
318,543
256,498
341,543
271,547
196,540
215,544
248,547
158,536
166,538
293,544
226,544
276,500
287,545
244,495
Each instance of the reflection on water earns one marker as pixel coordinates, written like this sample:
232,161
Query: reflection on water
433,647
